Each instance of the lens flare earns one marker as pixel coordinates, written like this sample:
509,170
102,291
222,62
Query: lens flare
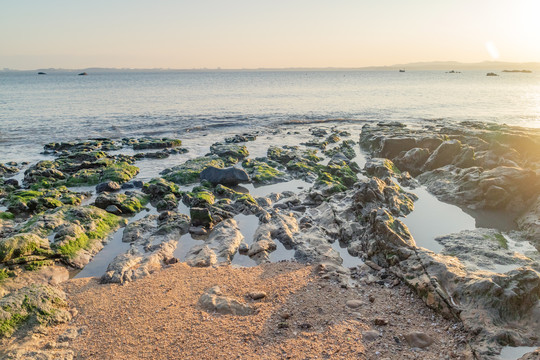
492,50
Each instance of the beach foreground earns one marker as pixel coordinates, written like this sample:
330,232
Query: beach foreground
150,226
300,315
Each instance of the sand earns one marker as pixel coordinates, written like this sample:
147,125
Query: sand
302,316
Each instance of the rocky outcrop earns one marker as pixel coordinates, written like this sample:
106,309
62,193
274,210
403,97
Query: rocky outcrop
220,246
32,306
153,240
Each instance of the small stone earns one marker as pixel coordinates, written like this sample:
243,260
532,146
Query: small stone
353,304
372,265
418,339
108,186
370,335
371,298
380,322
285,316
113,209
197,230
257,295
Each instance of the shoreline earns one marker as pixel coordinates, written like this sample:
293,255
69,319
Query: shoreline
352,198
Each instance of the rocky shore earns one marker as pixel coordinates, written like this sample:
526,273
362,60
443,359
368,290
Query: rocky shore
175,233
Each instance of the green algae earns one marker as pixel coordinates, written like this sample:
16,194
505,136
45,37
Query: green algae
148,143
188,172
262,172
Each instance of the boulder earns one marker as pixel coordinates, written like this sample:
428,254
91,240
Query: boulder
108,186
228,177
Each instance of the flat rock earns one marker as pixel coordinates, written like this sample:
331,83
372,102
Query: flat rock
418,339
213,300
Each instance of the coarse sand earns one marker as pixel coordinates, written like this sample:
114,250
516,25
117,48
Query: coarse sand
302,316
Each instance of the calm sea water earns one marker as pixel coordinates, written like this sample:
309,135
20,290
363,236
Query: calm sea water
37,109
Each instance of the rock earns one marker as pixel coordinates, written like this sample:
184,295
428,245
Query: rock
230,151
418,339
487,249
370,335
149,143
228,177
153,240
200,217
263,173
443,155
189,172
380,322
213,300
222,243
381,168
412,160
533,355
32,305
197,230
113,209
131,202
354,304
11,182
108,186
257,295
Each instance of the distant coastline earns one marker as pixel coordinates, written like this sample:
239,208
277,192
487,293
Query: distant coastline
418,66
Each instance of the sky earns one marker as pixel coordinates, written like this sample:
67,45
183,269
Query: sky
237,34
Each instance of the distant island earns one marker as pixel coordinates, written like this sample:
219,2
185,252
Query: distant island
518,71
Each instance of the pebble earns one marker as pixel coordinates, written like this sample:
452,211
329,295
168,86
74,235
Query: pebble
353,304
257,295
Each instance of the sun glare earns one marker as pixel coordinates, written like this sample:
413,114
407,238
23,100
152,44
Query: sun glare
492,50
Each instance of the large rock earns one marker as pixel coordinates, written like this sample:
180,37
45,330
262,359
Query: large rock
153,240
214,301
229,176
220,246
32,306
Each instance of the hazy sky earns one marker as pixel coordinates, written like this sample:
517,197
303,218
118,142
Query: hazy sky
264,33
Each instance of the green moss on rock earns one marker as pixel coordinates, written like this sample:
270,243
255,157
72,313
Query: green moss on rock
31,306
129,203
21,245
261,172
188,172
149,143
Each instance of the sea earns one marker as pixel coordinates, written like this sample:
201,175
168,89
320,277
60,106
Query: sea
63,106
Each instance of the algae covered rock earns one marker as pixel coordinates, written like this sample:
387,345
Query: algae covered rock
230,152
131,202
21,245
31,306
80,169
36,201
261,172
189,172
79,231
149,143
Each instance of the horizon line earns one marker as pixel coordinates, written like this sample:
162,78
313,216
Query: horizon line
370,67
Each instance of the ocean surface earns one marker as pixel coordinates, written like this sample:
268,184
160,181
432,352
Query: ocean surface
61,106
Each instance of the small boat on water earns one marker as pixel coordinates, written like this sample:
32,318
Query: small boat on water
401,70
41,73
83,73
